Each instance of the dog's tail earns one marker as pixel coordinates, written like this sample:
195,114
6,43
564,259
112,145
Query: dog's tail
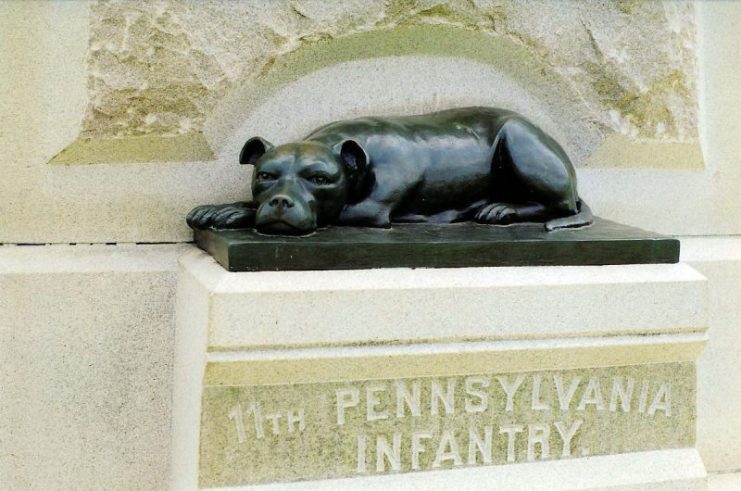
582,218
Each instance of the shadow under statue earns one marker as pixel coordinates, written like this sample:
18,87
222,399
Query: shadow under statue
464,187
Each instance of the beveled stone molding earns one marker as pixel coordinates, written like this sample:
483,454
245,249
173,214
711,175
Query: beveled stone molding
281,308
192,147
640,471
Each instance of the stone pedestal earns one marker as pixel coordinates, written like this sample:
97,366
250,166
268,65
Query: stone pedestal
511,378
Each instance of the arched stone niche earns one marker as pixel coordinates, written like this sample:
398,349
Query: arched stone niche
401,71
416,68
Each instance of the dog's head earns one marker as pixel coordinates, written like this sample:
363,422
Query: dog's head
302,186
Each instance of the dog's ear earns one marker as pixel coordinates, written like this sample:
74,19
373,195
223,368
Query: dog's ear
352,155
355,160
253,149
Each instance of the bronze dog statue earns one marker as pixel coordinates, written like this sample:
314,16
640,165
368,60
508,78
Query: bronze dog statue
484,164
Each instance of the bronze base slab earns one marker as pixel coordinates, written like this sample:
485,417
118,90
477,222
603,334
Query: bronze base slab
438,246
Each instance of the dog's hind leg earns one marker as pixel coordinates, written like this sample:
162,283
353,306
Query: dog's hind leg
533,180
507,213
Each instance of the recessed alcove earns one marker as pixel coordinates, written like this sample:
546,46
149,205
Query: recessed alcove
404,69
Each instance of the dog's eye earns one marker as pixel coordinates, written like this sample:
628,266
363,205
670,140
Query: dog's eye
318,179
265,176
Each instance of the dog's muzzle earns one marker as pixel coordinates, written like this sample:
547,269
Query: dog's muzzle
284,215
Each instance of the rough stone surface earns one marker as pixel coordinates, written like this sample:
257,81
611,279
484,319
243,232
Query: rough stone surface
159,68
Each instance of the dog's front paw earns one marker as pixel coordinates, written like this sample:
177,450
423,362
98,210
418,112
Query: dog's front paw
201,217
497,214
233,216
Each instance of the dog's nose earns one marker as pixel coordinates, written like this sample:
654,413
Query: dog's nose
281,201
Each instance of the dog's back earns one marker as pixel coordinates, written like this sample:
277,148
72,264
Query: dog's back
432,130
445,157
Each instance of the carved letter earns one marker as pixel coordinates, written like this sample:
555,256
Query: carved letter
256,411
510,389
384,451
624,394
346,398
592,395
447,440
412,400
538,434
418,447
236,415
537,404
567,434
471,383
564,398
372,402
448,398
274,419
361,454
296,417
511,431
662,400
643,397
475,445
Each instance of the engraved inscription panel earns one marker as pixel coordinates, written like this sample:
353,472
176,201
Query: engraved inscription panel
267,433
